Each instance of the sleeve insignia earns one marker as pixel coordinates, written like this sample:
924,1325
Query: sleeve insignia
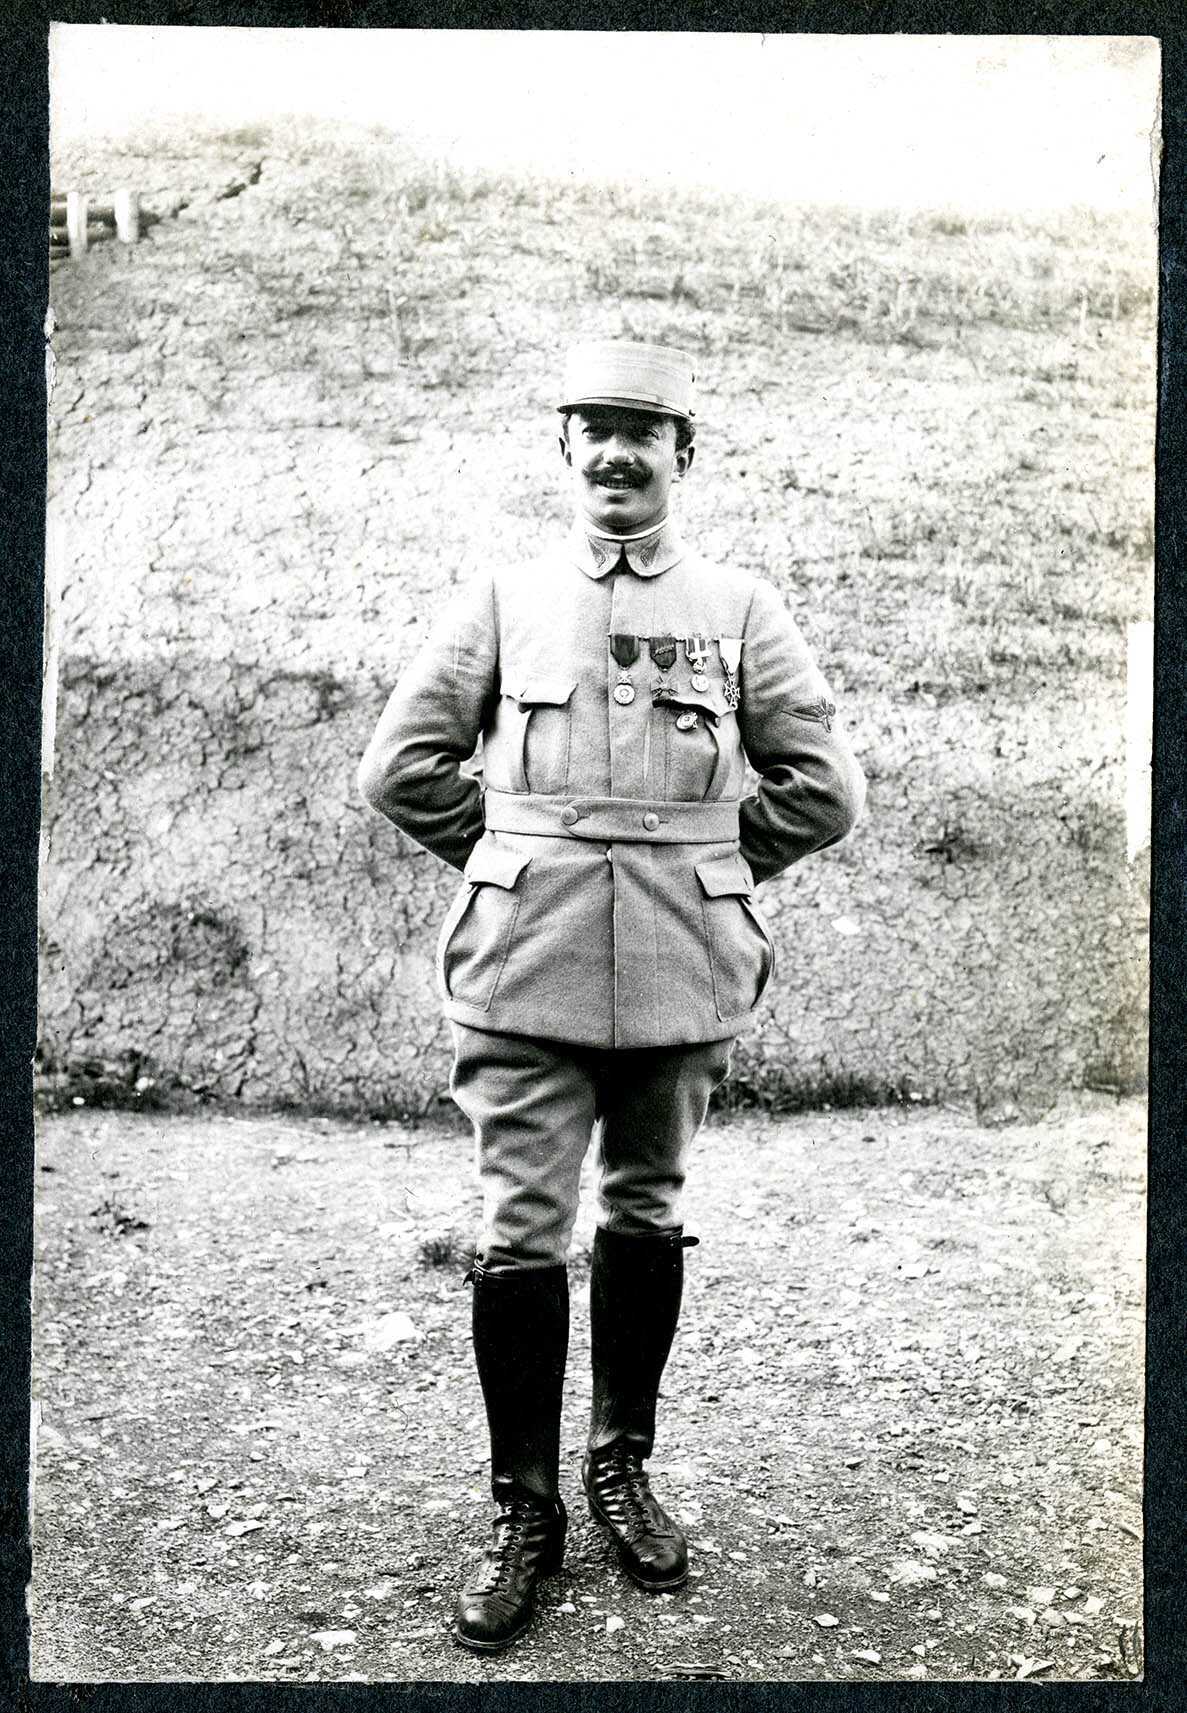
819,710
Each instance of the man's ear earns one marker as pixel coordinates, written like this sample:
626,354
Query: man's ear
566,453
684,460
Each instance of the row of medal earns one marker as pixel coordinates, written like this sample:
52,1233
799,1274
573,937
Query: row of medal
663,650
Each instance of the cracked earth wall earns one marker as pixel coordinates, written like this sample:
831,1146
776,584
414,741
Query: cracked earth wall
316,394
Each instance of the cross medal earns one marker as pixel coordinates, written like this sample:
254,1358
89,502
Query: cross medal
697,650
625,650
730,650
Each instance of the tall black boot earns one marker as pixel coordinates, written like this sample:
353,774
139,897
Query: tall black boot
521,1338
636,1283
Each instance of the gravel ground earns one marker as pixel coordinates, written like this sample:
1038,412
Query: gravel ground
901,1425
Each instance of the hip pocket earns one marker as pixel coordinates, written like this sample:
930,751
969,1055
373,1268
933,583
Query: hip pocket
741,952
477,932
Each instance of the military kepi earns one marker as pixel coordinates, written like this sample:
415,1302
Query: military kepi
631,375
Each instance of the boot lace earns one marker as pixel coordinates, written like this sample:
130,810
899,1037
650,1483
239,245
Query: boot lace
502,1556
625,1484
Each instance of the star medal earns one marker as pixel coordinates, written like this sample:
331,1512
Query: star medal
697,649
730,650
625,650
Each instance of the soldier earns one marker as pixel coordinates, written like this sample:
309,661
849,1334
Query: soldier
606,948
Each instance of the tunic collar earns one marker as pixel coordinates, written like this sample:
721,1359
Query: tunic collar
647,555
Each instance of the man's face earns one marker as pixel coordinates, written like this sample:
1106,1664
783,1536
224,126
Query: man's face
624,463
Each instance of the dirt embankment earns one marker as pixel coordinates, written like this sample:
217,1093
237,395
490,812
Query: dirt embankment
318,391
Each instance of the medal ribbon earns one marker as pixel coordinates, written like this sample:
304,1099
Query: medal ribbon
730,650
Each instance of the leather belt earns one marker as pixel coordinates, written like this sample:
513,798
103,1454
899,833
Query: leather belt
622,820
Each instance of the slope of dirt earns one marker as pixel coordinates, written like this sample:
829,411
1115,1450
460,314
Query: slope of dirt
319,391
902,1423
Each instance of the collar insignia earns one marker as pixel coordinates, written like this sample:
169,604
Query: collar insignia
646,556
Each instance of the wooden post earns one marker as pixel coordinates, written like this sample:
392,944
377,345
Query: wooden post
76,221
127,216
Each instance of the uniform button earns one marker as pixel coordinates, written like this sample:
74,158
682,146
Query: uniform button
569,816
651,820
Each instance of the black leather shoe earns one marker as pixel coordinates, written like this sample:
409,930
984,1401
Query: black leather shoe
496,1605
652,1549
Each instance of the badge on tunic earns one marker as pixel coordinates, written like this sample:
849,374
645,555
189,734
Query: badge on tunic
821,709
686,722
730,650
625,650
663,652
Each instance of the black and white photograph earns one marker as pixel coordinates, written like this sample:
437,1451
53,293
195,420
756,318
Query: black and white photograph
594,894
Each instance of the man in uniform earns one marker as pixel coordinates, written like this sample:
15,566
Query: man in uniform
605,949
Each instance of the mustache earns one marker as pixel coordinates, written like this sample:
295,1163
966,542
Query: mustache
633,478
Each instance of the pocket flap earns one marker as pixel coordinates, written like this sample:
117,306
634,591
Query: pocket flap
495,865
710,702
724,876
540,692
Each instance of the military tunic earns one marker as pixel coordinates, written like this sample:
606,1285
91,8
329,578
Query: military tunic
611,851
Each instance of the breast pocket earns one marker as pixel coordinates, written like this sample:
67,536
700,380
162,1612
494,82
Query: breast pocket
700,743
479,926
537,714
741,951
